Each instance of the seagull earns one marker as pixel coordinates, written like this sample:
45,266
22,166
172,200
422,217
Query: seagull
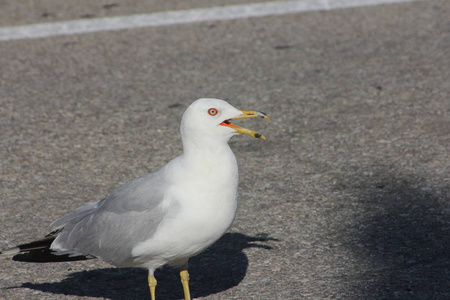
164,217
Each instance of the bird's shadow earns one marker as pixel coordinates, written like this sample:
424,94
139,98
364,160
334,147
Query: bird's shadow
218,268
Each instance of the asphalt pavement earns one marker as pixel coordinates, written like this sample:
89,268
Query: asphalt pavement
348,198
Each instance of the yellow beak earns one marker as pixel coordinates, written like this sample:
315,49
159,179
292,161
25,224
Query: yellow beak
246,114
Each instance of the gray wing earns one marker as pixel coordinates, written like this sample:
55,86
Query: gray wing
110,228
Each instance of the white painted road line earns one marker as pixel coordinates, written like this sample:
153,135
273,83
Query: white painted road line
179,17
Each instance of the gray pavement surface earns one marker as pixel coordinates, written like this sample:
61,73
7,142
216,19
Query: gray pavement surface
13,13
347,199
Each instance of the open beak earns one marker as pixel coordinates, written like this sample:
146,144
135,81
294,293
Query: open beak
246,114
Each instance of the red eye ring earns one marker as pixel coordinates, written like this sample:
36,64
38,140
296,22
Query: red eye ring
213,111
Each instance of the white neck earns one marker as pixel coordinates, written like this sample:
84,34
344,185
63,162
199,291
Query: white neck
209,152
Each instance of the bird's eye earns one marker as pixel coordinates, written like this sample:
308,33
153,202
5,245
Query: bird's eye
213,111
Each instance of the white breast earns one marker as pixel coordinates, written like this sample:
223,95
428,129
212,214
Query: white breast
202,205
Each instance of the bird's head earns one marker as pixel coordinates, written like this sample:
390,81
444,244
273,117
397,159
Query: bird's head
210,119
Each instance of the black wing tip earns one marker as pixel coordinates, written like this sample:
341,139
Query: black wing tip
34,245
46,256
39,252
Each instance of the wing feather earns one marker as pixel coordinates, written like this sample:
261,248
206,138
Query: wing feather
130,215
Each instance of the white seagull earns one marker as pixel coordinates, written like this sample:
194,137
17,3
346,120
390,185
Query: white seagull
164,217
